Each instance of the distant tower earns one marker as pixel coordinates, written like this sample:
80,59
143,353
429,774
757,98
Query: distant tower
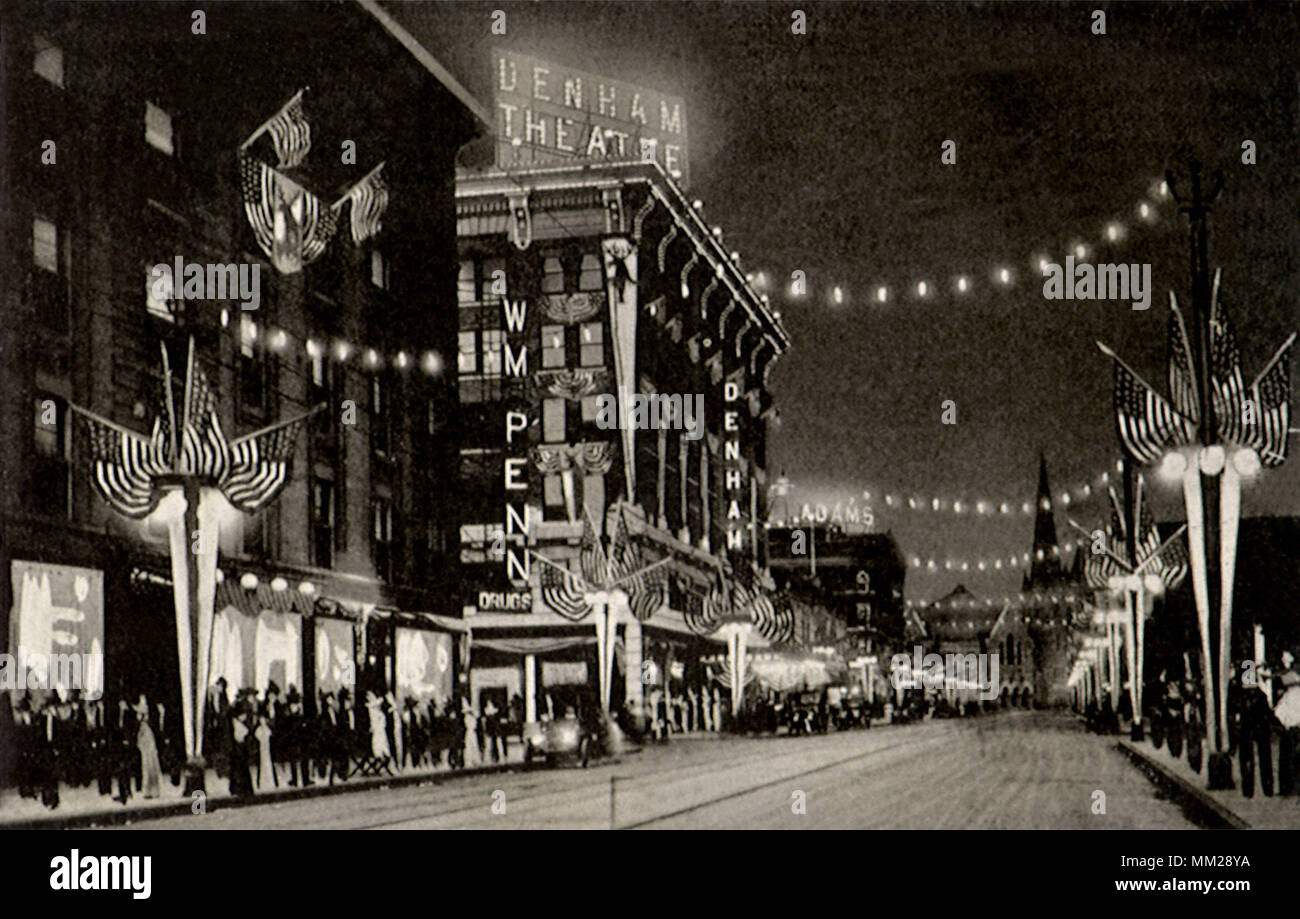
1045,560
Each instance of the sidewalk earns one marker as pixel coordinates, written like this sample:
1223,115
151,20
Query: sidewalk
80,807
1216,808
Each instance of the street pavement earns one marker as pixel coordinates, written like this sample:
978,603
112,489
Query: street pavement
1014,769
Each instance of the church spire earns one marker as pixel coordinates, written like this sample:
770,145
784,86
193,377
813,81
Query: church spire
1045,560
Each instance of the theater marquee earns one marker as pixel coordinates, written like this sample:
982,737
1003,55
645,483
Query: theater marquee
548,114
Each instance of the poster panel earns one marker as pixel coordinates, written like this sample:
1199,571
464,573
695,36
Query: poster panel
56,631
250,651
335,661
424,665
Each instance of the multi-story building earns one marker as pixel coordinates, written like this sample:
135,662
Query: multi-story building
613,368
857,575
125,128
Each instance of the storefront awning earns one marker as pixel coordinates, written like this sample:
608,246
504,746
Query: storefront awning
533,645
262,597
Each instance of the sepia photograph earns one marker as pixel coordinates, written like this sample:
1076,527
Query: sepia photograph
698,415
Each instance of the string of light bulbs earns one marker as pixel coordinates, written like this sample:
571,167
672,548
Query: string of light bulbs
999,276
340,350
895,501
934,566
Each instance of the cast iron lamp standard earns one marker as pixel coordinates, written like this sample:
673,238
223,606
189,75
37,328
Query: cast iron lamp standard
189,476
1210,433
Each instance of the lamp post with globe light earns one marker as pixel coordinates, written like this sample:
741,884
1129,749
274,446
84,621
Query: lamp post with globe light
1210,434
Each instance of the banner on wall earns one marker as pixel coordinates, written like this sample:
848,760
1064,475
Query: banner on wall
423,665
251,651
56,631
336,666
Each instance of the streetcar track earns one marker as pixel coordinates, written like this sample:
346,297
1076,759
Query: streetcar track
764,785
689,772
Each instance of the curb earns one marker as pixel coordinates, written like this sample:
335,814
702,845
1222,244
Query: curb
181,808
1196,803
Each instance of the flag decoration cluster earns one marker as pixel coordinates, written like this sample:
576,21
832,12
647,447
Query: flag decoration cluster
292,225
128,467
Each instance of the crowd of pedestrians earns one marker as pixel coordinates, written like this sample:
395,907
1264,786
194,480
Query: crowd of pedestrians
255,742
121,747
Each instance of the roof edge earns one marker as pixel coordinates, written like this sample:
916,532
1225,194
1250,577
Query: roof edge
428,61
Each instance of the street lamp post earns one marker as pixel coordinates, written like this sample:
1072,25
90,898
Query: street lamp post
1212,431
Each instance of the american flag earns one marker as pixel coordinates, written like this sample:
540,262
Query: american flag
647,588
204,450
696,610
125,464
774,621
259,464
291,134
1271,393
1182,377
369,199
563,594
591,557
1227,387
257,182
1147,423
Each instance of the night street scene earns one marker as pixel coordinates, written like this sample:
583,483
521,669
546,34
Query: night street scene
698,415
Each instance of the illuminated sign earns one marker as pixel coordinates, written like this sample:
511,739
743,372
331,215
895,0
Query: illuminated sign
547,114
509,602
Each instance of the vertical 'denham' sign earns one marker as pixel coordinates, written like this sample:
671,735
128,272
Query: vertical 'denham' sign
515,530
732,465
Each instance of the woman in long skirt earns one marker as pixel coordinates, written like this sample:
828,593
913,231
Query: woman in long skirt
147,743
266,780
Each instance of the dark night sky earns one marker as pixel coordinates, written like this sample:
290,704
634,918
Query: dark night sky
821,153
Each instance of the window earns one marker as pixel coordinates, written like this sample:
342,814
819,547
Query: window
493,339
380,416
592,344
466,286
552,276
158,128
322,522
45,244
553,491
553,420
591,277
590,408
158,290
322,390
481,280
467,356
383,538
48,62
51,258
552,346
252,370
50,471
492,284
378,269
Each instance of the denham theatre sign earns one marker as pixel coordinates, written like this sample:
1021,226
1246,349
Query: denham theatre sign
551,114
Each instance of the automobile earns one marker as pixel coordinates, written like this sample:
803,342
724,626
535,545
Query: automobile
559,741
806,713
